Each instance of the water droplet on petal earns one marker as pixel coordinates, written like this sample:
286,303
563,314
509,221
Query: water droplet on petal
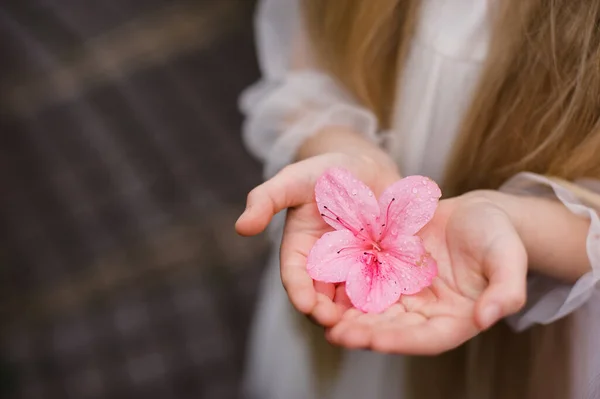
354,192
414,190
370,193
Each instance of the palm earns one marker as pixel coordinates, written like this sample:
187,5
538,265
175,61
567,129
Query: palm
304,226
481,262
441,316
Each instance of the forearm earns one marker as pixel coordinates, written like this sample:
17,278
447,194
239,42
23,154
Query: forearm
554,237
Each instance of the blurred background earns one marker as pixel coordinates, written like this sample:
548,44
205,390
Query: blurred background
122,173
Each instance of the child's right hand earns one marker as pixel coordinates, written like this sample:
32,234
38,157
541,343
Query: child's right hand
293,188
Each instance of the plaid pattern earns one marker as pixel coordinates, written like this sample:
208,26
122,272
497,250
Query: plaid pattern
122,173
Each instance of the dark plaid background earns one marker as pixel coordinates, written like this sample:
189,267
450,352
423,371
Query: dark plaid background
122,174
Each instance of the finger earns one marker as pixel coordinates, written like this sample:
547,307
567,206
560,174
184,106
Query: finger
294,276
298,286
325,312
287,189
327,289
352,313
350,334
312,320
341,298
421,337
357,329
506,269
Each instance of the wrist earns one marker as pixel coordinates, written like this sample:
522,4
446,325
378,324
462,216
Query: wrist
347,143
509,204
555,239
338,139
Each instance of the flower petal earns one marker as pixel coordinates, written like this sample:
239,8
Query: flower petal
408,205
373,289
333,256
345,202
411,262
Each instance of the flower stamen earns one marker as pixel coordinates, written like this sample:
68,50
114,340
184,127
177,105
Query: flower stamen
347,226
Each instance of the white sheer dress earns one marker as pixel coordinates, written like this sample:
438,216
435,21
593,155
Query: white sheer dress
444,63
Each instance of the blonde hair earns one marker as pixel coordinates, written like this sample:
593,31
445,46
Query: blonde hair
537,108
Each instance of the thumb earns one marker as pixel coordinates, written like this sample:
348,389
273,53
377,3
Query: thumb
290,187
506,269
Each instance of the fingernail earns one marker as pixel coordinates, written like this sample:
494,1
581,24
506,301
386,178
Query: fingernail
490,315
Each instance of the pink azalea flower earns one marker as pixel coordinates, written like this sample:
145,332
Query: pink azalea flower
374,248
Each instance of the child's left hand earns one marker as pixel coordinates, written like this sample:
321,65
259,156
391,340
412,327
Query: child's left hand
482,267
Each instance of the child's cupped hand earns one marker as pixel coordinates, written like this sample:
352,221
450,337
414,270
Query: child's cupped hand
293,188
482,268
481,262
